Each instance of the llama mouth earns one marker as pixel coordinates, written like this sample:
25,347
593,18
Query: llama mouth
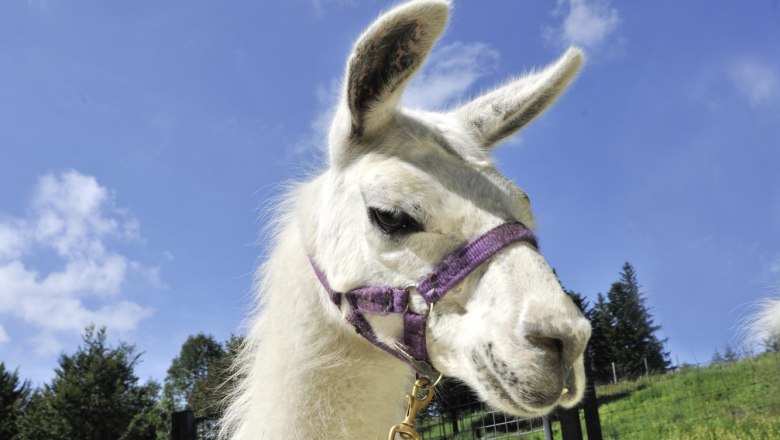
509,392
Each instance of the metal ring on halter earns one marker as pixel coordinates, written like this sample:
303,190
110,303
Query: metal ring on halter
408,289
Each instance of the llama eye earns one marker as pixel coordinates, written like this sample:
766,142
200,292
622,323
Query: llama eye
392,222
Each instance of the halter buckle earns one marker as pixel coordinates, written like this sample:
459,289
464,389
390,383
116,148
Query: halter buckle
424,369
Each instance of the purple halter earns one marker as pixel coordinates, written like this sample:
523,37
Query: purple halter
381,300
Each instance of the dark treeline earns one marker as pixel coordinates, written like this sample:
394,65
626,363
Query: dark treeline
95,394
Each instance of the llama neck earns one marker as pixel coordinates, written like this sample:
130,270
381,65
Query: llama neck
309,375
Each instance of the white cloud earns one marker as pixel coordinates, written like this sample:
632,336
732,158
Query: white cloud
73,219
449,73
586,23
3,335
755,82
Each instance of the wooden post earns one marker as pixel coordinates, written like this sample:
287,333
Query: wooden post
647,370
183,425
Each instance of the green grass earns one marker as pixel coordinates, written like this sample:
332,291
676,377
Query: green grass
736,400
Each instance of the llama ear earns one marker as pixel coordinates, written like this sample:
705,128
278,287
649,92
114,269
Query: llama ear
504,111
383,60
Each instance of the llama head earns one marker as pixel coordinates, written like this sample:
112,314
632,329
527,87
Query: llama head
406,187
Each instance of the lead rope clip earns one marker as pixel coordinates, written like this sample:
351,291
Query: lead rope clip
422,394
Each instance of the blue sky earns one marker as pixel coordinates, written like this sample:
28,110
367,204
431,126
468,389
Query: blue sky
142,143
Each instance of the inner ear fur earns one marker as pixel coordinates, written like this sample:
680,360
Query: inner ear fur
502,112
386,56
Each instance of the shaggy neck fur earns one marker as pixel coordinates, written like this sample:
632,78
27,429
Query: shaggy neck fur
308,375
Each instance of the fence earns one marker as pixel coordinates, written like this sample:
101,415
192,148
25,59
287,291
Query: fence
726,400
474,420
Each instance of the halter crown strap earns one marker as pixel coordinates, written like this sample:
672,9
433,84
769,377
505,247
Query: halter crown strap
453,269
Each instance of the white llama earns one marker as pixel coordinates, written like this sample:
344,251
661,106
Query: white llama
403,190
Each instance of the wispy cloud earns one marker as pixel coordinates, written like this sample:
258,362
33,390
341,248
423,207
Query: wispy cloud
756,82
586,23
3,335
748,81
70,228
449,74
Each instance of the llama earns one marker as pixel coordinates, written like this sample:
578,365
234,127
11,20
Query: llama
402,190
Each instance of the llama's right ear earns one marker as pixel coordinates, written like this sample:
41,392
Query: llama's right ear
383,60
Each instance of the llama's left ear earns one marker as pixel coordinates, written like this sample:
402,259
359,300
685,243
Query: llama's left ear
502,112
383,60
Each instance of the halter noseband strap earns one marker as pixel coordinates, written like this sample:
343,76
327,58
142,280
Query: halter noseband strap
380,300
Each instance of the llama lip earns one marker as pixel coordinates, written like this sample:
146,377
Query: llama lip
511,393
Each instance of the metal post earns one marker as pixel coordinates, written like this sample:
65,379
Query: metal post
647,370
547,428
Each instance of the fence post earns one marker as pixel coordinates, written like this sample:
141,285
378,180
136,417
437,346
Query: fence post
183,425
548,435
590,404
570,424
614,374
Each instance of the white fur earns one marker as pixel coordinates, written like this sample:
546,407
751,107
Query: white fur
304,373
763,326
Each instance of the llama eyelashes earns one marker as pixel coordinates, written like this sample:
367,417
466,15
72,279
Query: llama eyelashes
394,221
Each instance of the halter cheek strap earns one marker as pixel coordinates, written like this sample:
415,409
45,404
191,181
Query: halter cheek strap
381,300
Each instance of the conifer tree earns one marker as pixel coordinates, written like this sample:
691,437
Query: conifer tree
94,395
633,341
600,345
14,395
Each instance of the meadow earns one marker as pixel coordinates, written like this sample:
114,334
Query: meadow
735,400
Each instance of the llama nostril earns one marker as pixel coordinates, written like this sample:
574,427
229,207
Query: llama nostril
550,345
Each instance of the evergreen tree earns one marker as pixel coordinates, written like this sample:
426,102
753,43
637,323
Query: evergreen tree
13,398
600,345
633,341
94,395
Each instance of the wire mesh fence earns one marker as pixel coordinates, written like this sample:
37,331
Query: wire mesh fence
474,420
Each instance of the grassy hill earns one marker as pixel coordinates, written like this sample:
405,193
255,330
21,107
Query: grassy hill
728,401
731,400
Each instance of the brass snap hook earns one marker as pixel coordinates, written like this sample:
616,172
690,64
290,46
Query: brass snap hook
422,394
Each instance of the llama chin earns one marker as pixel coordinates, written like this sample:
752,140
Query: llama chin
402,190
